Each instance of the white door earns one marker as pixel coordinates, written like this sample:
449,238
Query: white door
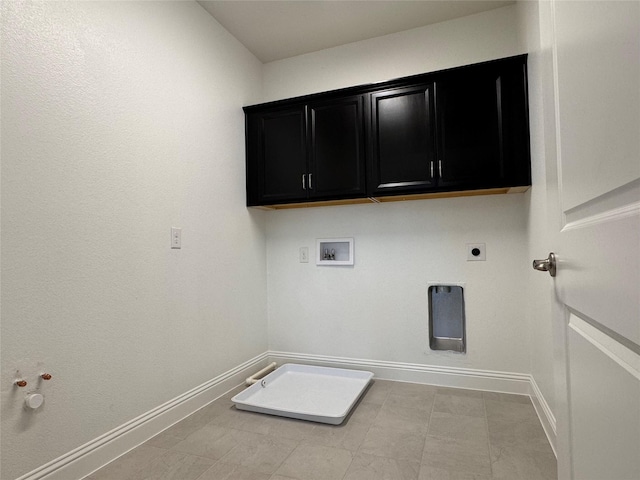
596,52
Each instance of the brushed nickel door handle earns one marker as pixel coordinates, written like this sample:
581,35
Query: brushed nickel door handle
546,265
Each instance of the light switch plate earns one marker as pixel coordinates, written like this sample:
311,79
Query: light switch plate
304,254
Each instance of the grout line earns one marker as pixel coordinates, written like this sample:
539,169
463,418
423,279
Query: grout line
486,422
285,459
433,408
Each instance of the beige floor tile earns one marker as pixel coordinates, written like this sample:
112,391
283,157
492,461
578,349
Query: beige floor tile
457,454
459,405
246,421
370,467
316,462
433,473
348,435
460,392
419,401
184,428
177,466
385,436
227,471
364,413
231,417
406,388
510,463
214,407
393,443
262,453
506,397
517,412
377,392
193,422
164,440
401,418
231,393
521,435
213,441
264,424
131,466
281,427
458,426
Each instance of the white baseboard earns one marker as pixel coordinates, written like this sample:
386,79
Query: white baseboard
471,379
546,416
91,456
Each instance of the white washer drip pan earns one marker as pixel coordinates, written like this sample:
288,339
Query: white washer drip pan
305,392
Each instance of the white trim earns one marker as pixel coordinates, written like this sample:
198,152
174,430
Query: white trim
623,356
609,216
489,380
93,455
546,416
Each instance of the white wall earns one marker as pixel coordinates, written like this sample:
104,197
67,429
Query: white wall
475,38
119,121
378,309
541,200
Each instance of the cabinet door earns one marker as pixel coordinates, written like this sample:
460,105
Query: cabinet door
402,140
482,127
280,154
336,146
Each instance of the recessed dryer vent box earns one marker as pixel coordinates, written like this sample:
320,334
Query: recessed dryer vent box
447,318
334,251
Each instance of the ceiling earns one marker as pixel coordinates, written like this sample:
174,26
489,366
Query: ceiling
274,29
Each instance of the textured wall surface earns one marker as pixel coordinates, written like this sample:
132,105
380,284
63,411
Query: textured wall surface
119,121
378,309
543,216
475,38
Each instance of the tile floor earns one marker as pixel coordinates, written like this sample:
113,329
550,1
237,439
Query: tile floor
400,431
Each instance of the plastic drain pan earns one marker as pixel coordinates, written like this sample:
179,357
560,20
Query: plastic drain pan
305,392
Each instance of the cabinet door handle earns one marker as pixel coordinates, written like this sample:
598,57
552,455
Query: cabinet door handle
310,184
304,185
440,168
431,164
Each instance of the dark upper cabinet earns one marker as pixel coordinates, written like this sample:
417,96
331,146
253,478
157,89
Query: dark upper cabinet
469,150
402,146
482,130
461,129
336,149
307,152
276,156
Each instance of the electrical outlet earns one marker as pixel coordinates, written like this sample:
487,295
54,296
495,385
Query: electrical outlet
476,252
304,254
176,237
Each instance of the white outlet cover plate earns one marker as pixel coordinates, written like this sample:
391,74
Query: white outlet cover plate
476,258
176,237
